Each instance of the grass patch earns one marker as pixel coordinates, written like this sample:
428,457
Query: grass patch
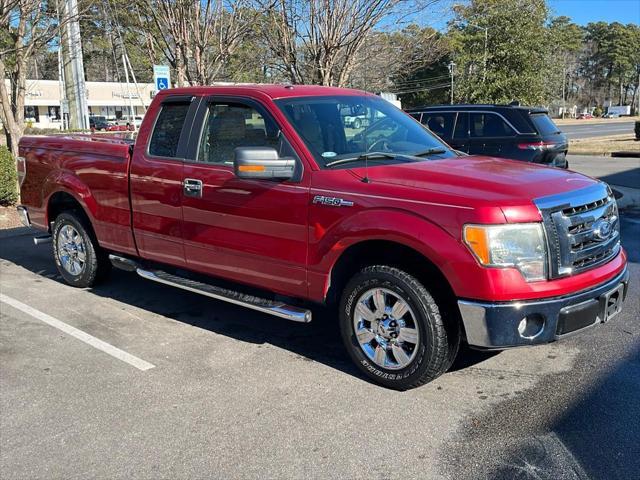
604,145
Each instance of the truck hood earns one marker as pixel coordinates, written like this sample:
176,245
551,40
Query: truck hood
477,179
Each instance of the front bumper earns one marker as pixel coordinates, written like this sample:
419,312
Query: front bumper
513,324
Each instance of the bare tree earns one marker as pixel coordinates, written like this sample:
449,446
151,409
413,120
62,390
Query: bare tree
318,41
199,36
389,57
26,28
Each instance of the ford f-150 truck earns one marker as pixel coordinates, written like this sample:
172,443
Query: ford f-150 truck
263,197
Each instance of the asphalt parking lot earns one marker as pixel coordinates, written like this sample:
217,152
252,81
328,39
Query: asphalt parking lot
220,391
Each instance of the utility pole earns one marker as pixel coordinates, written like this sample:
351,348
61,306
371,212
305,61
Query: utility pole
61,84
451,67
564,78
75,89
486,41
132,117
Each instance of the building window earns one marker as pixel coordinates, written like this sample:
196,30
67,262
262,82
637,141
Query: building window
54,113
31,114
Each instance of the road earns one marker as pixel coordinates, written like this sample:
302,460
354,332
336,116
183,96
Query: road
226,392
589,130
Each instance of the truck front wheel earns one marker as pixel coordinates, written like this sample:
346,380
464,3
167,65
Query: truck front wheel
393,328
78,257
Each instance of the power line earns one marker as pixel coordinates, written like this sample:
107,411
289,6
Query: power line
424,89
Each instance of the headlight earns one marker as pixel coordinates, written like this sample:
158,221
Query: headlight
520,245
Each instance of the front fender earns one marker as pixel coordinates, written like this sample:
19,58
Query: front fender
392,225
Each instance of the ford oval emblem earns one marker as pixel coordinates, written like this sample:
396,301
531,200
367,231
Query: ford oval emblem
602,229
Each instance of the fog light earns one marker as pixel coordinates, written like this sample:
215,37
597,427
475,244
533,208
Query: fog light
531,326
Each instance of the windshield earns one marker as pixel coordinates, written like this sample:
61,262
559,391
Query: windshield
346,127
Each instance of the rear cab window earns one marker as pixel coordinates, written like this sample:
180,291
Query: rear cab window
543,124
167,129
229,125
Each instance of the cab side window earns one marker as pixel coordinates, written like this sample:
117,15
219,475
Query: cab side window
489,125
167,130
232,125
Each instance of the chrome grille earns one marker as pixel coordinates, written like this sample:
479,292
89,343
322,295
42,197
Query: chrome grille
582,229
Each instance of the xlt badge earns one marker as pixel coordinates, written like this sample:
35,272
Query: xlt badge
332,201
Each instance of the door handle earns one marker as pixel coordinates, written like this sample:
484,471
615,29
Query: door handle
192,187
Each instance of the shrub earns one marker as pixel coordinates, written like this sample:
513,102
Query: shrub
638,130
8,178
51,131
598,111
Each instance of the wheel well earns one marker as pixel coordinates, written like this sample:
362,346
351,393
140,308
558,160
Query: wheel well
63,202
380,252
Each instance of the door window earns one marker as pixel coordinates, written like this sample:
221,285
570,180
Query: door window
462,126
231,125
166,133
440,123
489,125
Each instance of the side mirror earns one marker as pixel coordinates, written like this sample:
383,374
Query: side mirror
262,162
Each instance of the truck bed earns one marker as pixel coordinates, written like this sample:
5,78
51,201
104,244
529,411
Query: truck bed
93,169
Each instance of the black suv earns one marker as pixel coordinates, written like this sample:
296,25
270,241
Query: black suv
508,131
98,122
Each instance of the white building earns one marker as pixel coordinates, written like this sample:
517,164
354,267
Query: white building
108,99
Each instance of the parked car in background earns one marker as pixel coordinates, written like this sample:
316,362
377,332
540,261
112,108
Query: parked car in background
127,120
506,131
353,118
118,128
97,122
611,115
585,116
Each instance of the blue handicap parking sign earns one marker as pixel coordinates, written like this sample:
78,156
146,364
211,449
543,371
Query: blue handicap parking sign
162,83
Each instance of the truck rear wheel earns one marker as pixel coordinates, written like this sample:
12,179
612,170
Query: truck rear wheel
393,328
78,257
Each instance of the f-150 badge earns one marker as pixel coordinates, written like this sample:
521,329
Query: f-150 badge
332,201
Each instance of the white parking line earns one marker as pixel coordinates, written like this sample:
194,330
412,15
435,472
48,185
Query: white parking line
79,334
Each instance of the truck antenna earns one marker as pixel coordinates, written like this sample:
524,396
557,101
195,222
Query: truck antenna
366,169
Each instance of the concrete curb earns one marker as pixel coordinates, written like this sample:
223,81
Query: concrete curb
630,197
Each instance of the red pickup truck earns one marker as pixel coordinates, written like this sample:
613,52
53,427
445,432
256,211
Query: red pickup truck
265,197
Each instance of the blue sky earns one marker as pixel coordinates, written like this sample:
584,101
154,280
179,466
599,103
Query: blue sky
585,11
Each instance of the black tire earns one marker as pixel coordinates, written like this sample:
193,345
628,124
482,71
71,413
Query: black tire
96,265
438,343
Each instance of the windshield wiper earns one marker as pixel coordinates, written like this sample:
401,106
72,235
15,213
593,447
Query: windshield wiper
431,151
364,156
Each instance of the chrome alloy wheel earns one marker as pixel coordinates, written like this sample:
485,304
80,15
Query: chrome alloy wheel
71,251
386,328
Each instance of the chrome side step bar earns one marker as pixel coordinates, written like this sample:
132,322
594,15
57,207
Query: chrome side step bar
271,307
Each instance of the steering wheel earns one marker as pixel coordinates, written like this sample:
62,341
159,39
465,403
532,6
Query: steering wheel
379,145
